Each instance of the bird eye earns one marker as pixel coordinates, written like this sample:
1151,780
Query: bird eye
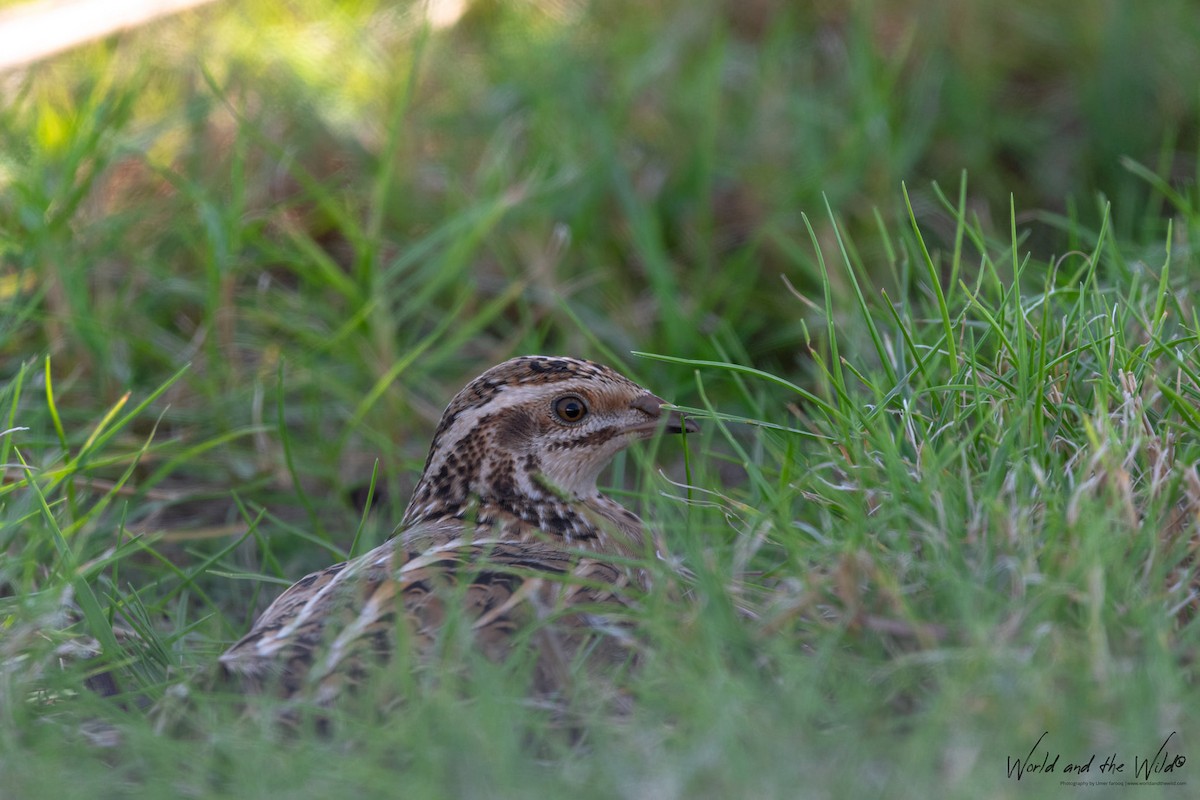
570,409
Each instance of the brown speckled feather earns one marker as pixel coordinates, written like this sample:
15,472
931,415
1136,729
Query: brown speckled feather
507,503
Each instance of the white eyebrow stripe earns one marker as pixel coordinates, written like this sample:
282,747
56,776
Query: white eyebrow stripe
511,396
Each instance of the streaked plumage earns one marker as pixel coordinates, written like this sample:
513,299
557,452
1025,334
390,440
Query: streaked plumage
508,502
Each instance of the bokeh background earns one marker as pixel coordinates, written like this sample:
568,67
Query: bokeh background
385,205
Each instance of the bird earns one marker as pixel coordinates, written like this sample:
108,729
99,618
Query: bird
506,520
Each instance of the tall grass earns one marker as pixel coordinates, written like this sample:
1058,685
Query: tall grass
945,498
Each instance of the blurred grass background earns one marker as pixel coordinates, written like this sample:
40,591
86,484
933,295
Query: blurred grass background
336,213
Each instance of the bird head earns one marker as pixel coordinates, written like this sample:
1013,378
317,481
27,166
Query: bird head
535,429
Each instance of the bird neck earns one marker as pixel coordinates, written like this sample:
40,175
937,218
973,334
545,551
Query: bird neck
527,506
474,476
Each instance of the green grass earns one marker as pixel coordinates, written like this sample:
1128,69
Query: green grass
928,285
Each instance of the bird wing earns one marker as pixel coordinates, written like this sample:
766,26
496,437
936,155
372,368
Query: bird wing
316,633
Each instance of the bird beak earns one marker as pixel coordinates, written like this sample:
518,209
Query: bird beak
677,423
671,421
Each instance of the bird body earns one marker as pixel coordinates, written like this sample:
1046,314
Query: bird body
506,519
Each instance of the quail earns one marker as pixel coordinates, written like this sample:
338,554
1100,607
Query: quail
506,521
